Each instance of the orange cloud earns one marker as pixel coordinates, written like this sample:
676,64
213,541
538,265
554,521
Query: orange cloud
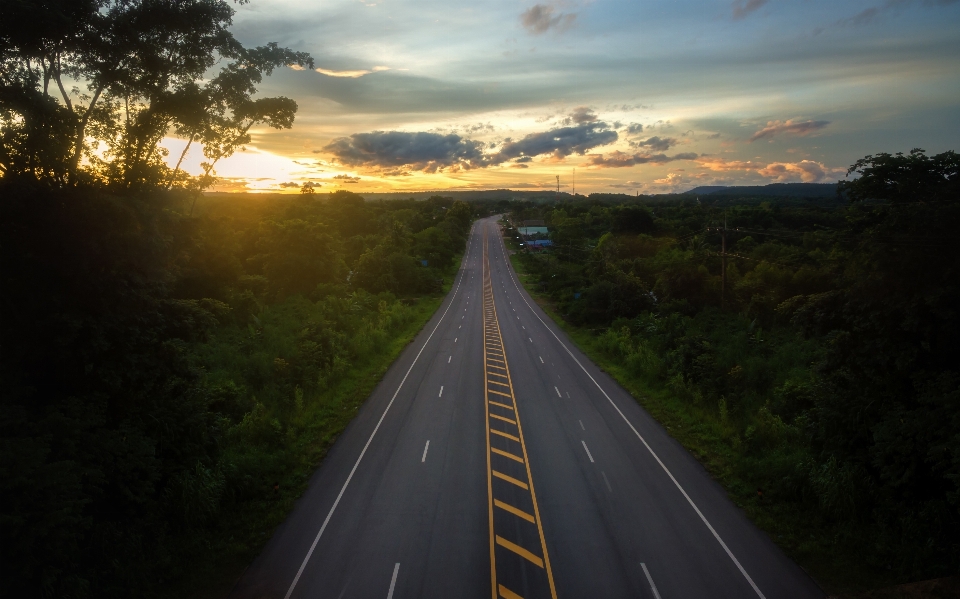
722,165
807,171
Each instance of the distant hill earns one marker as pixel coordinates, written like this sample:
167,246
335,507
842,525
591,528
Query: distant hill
789,190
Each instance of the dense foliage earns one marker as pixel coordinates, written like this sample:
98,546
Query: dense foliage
158,369
829,360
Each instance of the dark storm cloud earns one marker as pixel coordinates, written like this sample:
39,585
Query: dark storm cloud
420,150
432,152
540,18
655,143
742,8
618,159
560,142
794,127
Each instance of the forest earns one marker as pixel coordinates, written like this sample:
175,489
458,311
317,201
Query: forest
174,364
817,377
164,373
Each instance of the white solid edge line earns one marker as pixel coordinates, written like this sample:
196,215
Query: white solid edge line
326,520
425,448
653,587
393,581
642,440
587,449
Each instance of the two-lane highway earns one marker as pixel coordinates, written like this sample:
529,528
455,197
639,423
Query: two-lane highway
495,460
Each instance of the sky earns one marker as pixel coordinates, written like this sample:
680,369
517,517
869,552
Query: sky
634,96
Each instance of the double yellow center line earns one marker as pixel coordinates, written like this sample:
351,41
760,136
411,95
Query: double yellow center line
507,461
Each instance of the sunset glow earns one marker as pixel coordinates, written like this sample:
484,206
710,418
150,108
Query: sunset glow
636,96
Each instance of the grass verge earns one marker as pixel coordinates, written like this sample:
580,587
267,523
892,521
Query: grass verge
219,559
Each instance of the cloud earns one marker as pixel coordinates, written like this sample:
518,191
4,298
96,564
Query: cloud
346,178
722,165
288,184
431,152
560,142
580,115
656,143
671,180
540,18
618,159
428,152
868,15
351,74
795,127
635,128
397,172
742,8
807,171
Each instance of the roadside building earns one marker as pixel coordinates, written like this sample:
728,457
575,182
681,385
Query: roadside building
530,232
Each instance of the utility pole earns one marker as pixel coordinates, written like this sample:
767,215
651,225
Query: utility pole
558,187
574,183
723,266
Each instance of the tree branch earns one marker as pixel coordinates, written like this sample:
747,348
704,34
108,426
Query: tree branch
176,169
81,129
56,77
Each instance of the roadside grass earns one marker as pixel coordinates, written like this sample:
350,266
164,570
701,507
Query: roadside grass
218,559
835,554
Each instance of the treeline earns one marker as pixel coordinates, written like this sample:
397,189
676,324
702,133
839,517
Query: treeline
824,370
159,370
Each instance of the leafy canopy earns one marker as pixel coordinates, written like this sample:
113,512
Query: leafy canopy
89,88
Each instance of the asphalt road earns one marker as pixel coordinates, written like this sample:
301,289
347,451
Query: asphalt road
495,460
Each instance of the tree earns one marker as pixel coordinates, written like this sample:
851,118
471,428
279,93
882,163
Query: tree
142,64
899,179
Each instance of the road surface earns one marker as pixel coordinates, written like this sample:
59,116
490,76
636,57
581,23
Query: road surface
495,460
